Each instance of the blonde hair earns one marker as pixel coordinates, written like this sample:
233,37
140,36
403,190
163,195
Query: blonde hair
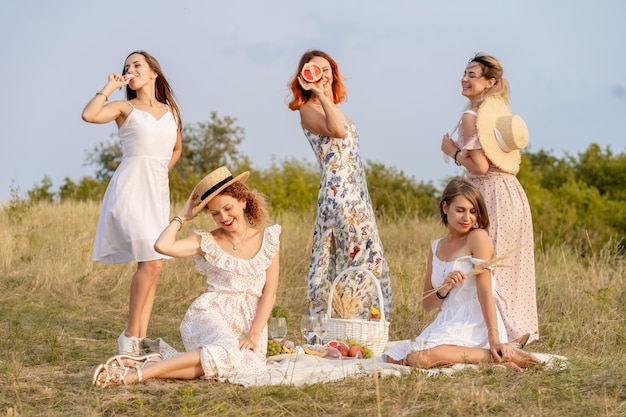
491,69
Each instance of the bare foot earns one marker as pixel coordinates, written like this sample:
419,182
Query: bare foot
524,359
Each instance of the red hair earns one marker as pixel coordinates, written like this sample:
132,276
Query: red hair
301,96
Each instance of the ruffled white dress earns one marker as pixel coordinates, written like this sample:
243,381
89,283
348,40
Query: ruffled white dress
217,319
136,204
460,321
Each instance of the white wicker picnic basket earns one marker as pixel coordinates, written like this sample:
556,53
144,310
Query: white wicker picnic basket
371,333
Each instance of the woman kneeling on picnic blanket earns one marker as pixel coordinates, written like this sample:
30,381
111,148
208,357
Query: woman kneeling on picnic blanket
468,328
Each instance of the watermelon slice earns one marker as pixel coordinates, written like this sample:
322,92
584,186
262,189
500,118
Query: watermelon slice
311,72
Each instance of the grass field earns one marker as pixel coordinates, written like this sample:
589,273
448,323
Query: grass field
60,315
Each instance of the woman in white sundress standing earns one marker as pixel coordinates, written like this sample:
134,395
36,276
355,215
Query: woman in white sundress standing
136,204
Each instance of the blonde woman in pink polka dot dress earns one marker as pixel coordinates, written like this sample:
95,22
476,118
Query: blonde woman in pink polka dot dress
488,146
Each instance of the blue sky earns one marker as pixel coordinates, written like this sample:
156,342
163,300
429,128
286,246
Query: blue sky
565,61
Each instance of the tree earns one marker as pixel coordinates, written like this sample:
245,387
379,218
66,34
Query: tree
42,192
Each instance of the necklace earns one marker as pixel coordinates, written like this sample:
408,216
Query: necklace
243,237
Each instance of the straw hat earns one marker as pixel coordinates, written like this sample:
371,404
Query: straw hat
501,134
215,183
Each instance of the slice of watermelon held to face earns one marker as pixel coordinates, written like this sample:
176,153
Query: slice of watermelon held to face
311,72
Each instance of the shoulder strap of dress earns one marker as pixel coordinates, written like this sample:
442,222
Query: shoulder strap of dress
472,112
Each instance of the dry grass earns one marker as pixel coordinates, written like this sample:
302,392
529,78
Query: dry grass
60,314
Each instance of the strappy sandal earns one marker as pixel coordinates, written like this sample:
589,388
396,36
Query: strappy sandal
141,361
114,375
521,342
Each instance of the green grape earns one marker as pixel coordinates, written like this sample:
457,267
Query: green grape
273,348
367,352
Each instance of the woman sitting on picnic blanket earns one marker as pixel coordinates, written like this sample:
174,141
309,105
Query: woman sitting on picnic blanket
469,327
225,329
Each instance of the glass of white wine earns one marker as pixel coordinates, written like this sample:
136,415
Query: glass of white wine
278,328
306,328
320,327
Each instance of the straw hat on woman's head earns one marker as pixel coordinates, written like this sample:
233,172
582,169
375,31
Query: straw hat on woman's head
215,183
501,134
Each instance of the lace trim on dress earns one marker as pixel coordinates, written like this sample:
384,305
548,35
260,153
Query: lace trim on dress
214,254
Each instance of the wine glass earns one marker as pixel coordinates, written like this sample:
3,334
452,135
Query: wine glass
278,328
320,327
306,328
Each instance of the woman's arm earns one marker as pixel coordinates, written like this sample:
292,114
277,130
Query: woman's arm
474,160
481,247
264,309
432,301
167,244
96,111
327,121
177,151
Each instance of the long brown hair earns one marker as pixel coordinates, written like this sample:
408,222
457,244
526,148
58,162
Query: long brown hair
461,186
163,91
491,68
301,96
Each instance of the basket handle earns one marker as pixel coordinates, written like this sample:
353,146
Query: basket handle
365,271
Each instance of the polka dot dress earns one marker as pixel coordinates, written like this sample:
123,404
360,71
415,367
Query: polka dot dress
511,230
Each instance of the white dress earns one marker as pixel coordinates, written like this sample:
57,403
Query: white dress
136,204
460,321
217,319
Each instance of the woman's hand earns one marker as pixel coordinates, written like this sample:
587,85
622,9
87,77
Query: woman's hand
246,342
186,213
448,145
117,80
315,88
454,278
502,352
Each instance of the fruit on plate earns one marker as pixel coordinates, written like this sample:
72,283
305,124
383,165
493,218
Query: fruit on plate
356,351
367,352
340,346
315,351
311,72
287,346
273,348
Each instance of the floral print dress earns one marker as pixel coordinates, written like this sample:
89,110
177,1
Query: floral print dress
345,232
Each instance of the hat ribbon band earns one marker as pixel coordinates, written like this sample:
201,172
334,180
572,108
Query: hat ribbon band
215,187
501,143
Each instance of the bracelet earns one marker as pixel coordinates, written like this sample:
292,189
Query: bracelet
440,297
179,220
455,155
106,98
492,328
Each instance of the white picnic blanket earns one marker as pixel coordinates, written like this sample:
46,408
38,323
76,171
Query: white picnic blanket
299,368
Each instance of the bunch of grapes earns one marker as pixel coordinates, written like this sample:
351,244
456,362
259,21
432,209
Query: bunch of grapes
273,348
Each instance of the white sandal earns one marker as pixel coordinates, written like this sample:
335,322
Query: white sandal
114,375
141,361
